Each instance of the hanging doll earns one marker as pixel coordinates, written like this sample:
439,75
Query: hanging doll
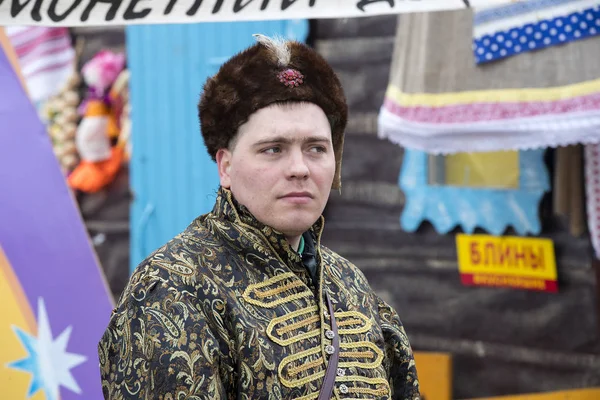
98,131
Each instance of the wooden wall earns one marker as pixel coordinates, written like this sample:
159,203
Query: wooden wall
503,341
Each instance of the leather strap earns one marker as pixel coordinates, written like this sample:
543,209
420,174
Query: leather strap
329,382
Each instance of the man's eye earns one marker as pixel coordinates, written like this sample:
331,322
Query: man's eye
318,149
272,150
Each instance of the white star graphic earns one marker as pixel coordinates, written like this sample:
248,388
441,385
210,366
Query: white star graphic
47,361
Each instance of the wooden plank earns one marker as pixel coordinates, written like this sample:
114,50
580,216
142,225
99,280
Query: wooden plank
363,50
485,377
508,353
362,123
582,394
367,158
384,25
364,84
596,269
372,193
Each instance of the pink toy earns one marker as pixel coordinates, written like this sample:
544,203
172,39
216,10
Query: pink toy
101,71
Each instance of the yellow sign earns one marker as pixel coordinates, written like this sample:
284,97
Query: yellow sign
523,263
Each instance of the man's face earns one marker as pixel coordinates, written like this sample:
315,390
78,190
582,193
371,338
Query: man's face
281,166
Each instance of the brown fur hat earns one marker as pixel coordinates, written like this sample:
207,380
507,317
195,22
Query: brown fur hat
270,71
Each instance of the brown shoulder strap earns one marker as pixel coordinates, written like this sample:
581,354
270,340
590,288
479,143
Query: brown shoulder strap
329,382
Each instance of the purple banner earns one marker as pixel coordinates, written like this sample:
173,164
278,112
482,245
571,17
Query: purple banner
47,247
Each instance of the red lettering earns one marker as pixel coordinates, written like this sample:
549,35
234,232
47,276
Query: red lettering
512,281
505,256
489,254
540,259
475,254
531,258
535,260
519,255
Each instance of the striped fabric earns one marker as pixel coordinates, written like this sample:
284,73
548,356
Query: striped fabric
439,101
46,57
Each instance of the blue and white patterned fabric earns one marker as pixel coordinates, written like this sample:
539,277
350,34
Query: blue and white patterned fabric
512,29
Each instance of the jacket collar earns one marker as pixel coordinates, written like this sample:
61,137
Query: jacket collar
227,208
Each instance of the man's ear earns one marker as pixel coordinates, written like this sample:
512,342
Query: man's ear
223,158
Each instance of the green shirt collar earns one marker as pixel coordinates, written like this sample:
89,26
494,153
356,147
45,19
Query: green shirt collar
301,245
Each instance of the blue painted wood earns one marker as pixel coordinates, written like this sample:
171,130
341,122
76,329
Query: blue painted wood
491,209
173,179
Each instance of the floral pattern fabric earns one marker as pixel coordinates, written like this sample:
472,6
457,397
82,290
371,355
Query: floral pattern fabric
227,310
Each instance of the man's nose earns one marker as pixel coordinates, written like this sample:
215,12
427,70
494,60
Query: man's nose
298,167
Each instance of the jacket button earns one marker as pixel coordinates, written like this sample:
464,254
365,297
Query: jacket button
343,389
329,335
329,349
341,372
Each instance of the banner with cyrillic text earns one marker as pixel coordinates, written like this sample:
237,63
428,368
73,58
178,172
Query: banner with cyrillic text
515,262
126,12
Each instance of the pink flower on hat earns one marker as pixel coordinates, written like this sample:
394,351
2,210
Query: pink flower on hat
291,77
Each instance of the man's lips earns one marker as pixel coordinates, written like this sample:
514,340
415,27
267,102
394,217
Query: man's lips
297,195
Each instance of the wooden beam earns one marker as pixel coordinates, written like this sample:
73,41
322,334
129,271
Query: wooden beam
12,57
596,267
435,375
581,394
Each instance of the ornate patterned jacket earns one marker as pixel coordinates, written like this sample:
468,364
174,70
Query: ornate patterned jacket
227,310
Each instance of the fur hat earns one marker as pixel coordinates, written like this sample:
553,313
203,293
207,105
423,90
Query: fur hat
270,71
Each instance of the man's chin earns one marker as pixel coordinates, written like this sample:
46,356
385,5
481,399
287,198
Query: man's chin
295,219
295,229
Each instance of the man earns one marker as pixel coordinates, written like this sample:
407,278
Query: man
246,303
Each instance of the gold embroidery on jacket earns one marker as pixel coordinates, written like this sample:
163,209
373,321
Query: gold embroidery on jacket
303,323
300,324
373,353
304,367
349,318
361,379
255,296
277,290
305,356
375,392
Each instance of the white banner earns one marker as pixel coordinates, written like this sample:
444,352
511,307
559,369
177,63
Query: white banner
126,12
